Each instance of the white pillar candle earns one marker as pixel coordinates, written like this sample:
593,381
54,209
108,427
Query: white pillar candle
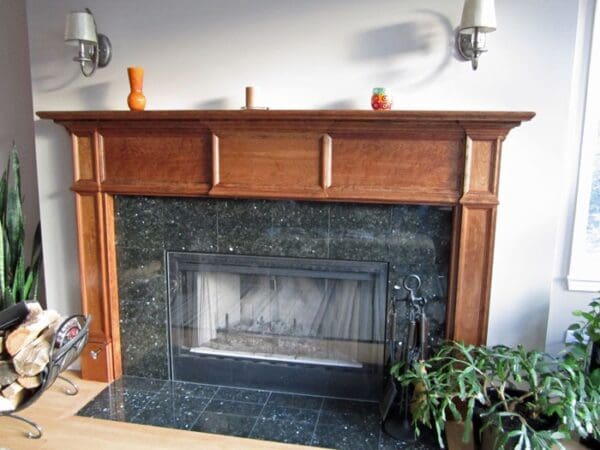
251,97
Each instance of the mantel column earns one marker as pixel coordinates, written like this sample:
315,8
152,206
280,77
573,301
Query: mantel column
101,359
476,219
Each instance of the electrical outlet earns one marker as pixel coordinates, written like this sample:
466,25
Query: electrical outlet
570,337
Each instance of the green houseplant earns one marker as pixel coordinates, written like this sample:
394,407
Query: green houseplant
18,280
587,339
525,399
586,349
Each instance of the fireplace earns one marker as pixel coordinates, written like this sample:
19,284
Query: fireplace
371,158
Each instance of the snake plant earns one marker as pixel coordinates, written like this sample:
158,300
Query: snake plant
18,281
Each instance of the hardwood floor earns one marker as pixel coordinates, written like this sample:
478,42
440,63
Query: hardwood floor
55,414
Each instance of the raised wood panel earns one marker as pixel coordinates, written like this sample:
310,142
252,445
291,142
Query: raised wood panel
95,300
90,263
111,283
155,160
396,168
281,162
84,157
482,169
473,275
452,279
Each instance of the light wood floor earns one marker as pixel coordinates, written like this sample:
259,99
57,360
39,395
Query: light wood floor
55,413
63,430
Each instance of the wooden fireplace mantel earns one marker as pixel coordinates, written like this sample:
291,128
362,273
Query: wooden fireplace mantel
412,157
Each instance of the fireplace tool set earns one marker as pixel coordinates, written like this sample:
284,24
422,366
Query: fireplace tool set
413,348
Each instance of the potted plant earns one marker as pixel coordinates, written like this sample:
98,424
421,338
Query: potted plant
586,349
522,399
18,280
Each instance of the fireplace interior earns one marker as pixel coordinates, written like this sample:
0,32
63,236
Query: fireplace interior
284,319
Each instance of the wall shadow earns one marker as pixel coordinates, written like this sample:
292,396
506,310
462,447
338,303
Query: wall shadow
392,40
95,96
215,103
49,83
426,40
346,103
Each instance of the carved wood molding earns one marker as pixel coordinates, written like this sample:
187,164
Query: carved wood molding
415,157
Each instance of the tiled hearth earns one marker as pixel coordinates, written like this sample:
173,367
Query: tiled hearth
297,419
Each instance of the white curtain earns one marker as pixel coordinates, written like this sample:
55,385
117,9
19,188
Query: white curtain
337,314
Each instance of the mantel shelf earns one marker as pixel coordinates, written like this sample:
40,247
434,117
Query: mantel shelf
368,115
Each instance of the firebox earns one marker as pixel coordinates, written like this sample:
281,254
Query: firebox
314,326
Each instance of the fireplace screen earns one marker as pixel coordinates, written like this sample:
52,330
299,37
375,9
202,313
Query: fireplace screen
288,314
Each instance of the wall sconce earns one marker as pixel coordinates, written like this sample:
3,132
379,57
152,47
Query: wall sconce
478,18
94,48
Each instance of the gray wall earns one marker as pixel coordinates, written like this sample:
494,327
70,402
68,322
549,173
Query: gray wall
15,104
329,54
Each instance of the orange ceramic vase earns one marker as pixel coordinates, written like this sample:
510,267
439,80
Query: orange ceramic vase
136,99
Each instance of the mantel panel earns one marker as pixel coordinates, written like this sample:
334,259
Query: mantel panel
141,161
83,156
286,162
396,167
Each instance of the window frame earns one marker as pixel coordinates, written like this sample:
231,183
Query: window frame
584,267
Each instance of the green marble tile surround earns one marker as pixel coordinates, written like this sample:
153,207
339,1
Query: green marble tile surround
412,239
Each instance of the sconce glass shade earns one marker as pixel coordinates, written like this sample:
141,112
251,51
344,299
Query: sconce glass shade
95,49
80,26
478,14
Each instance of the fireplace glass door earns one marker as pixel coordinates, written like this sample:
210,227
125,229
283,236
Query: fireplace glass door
293,324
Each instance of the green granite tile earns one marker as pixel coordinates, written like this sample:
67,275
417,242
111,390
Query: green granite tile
139,222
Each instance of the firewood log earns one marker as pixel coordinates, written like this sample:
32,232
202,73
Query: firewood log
32,358
30,382
34,309
29,330
12,390
7,373
10,404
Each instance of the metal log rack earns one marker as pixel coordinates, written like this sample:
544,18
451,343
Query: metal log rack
60,360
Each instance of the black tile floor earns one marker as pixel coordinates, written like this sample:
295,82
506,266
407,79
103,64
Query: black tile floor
273,416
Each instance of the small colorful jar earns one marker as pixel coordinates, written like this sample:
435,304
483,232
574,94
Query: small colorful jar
381,99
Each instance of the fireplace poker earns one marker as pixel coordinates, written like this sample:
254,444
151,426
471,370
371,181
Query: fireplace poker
393,318
411,355
423,332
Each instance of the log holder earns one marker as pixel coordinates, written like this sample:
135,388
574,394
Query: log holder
60,360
